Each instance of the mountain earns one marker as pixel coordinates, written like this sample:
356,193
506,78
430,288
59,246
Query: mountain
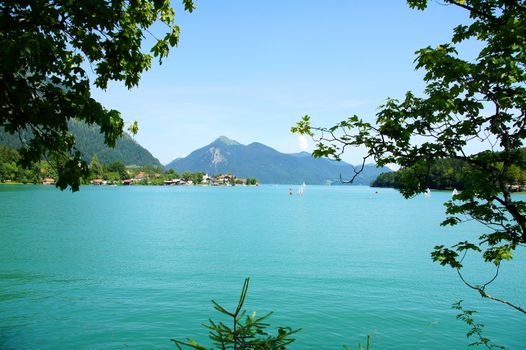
90,141
268,165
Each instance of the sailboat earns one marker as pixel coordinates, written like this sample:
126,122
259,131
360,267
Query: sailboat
301,190
427,193
454,193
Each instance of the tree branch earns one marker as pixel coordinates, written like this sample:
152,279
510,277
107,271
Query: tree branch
486,295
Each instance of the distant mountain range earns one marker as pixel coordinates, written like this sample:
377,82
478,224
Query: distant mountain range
90,141
268,165
224,155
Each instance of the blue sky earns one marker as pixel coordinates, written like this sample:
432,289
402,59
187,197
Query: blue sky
250,69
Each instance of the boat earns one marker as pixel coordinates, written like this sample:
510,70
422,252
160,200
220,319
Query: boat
301,190
427,193
454,193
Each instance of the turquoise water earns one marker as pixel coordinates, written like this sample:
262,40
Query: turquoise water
132,267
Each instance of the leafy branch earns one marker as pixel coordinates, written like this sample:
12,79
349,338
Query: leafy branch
466,316
465,101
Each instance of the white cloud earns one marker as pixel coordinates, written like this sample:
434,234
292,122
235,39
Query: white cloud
303,143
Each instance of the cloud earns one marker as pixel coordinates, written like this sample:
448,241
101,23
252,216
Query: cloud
303,143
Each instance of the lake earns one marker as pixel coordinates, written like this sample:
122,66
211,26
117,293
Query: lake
133,267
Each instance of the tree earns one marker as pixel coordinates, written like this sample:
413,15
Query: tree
172,174
197,178
45,47
119,168
8,159
464,101
96,169
252,181
247,332
443,174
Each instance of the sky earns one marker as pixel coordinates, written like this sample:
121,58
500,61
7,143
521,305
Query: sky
249,70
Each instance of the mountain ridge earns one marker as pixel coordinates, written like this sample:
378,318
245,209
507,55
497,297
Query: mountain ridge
224,155
90,142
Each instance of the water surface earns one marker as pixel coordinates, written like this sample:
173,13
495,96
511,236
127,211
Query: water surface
132,267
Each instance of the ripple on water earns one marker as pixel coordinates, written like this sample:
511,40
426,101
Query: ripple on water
115,268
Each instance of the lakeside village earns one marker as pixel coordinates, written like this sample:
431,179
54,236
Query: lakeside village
169,178
111,173
189,179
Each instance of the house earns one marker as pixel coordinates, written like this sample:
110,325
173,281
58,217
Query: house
516,188
213,181
141,176
98,182
206,179
224,179
175,182
48,181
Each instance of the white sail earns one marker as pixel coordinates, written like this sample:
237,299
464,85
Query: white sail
301,190
427,193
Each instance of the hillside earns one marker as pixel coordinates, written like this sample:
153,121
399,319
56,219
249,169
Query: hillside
447,174
268,165
90,142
